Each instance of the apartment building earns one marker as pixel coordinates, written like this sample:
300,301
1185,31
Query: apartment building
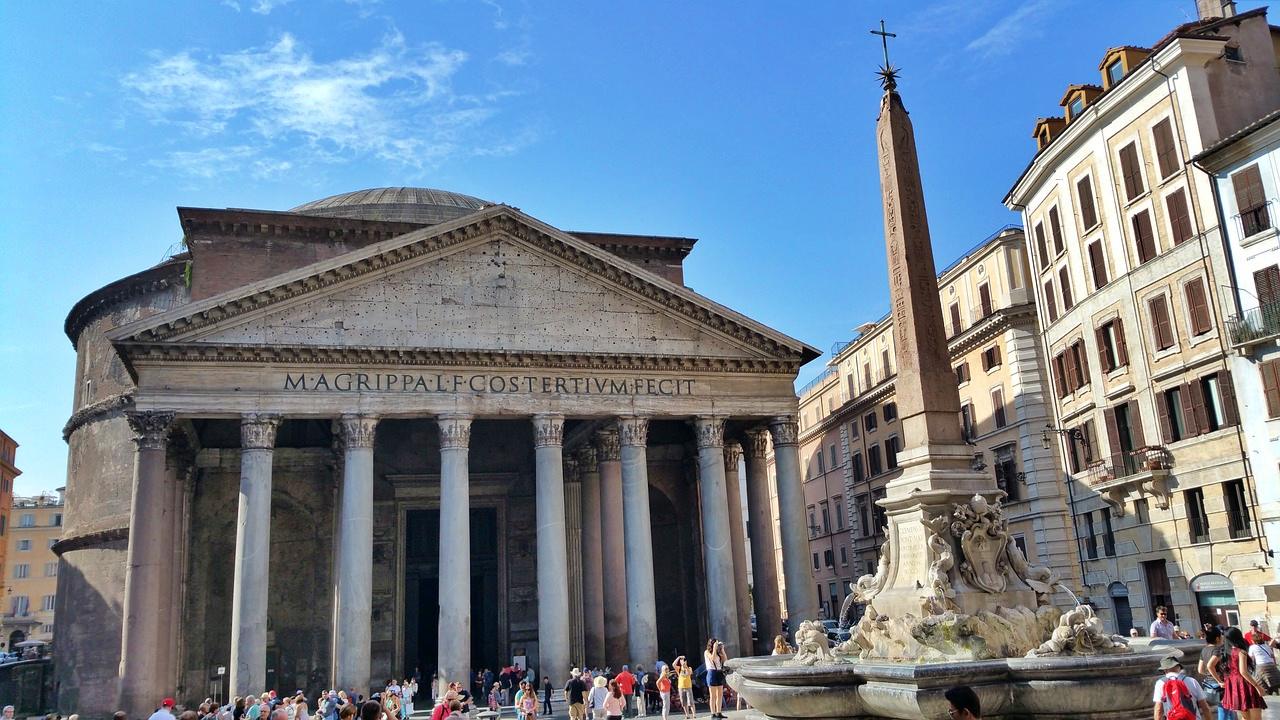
850,434
1131,282
8,473
31,581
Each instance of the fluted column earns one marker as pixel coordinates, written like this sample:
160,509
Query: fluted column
764,569
454,650
354,573
614,551
252,555
802,597
573,538
722,604
592,559
143,635
553,560
738,540
642,611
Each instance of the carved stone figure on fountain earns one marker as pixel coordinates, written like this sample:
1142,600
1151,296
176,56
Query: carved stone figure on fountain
940,596
812,644
1080,632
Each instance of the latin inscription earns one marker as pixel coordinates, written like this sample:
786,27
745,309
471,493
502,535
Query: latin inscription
912,560
484,383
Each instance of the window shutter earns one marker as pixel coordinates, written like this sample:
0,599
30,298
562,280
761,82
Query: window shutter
1248,187
1143,238
1065,280
1270,371
1060,375
1267,282
1113,431
1097,263
955,318
1130,171
1166,155
1084,191
1179,218
1055,228
1073,369
995,355
1082,357
984,294
1040,246
1193,408
1135,425
1100,337
1121,349
1199,307
1162,417
1160,322
1091,446
1228,389
1050,300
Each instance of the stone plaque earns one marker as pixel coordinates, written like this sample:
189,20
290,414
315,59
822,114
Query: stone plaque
913,557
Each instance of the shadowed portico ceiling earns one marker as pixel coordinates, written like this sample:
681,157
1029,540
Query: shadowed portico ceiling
185,332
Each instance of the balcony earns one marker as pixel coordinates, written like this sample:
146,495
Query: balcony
1144,471
1254,325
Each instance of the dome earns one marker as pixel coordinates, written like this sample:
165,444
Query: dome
395,204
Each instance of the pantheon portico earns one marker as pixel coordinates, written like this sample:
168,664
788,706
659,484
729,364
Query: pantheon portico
405,428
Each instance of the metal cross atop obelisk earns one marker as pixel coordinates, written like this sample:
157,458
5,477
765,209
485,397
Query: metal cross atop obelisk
888,74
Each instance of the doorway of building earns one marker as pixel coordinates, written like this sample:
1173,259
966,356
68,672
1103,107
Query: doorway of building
1216,599
1119,593
422,590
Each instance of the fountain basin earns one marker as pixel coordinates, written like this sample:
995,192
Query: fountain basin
1099,687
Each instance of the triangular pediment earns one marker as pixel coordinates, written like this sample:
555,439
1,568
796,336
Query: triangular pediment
496,281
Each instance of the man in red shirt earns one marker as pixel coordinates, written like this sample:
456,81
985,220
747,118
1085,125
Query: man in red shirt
627,684
1254,632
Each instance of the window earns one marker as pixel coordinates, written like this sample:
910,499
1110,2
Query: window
825,511
1081,449
1179,217
1060,374
1131,171
967,421
1232,53
57,520
1108,536
1111,347
1219,401
46,603
1166,153
839,501
853,429
891,452
1197,307
1088,211
962,373
1050,301
1161,327
51,569
1072,369
20,605
1197,520
955,319
1020,542
27,520
1006,469
24,545
1055,229
866,375
835,462
1271,386
997,407
844,555
1142,509
1173,424
869,421
873,459
1041,248
1097,264
21,570
864,516
1144,240
828,559
886,368
1237,508
984,298
1251,202
1065,282
813,522
991,357
1075,107
1267,284
1115,72
1090,538
857,468
815,561
890,412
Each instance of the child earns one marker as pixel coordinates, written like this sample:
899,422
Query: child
495,695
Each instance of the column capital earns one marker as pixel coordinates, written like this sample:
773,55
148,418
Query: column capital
587,458
455,431
633,430
548,430
757,445
357,430
150,427
258,431
784,430
709,430
607,445
732,454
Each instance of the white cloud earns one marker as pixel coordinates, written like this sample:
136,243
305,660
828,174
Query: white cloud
1012,29
514,57
264,7
395,102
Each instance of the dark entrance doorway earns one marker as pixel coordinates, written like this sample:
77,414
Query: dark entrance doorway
422,589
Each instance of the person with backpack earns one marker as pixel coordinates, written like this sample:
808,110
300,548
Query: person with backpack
1178,696
1240,691
1264,662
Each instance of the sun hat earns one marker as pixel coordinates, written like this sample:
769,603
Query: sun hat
1169,663
600,681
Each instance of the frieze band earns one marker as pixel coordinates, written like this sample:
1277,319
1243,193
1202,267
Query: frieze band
484,383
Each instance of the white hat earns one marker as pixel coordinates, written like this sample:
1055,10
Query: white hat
575,672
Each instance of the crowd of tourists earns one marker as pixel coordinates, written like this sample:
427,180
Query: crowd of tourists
1236,671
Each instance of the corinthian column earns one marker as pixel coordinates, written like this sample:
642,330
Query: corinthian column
354,573
573,539
553,559
722,603
614,560
147,575
764,568
732,454
642,611
802,597
592,560
454,652
252,558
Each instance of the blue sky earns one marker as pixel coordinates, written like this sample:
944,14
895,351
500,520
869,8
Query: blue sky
747,125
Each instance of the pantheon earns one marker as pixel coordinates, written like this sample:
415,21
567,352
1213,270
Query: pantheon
402,429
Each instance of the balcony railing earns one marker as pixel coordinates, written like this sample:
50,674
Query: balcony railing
1255,324
1256,219
1125,464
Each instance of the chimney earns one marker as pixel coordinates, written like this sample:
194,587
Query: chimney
1208,9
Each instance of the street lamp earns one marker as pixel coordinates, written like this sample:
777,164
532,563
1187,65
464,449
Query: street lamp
1046,439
